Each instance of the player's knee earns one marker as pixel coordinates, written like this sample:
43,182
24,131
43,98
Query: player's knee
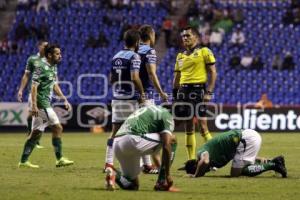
35,134
57,129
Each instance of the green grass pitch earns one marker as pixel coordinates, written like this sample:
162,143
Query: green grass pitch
85,179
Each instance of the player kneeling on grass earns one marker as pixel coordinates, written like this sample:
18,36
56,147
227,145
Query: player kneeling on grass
241,146
144,132
43,84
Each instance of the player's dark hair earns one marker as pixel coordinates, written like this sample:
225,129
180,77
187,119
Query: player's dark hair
145,32
191,166
193,30
131,37
49,49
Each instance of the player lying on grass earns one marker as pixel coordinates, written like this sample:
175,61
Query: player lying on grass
144,132
240,146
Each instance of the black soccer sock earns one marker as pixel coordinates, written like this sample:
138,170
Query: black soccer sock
256,169
56,142
28,147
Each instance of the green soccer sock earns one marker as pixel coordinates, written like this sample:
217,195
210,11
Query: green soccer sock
173,149
256,169
28,147
29,124
56,142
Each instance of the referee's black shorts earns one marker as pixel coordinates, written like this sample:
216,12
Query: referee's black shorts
189,101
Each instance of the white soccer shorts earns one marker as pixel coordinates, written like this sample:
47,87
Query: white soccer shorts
246,155
128,150
29,103
46,117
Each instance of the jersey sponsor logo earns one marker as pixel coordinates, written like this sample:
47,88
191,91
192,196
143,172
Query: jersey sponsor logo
118,62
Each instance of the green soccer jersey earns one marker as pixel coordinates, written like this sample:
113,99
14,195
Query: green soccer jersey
32,61
150,119
221,148
45,76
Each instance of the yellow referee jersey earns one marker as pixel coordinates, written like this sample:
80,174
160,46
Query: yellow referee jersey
193,66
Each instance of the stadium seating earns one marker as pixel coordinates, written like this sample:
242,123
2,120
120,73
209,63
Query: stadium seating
71,27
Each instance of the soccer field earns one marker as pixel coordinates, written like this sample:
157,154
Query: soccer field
85,179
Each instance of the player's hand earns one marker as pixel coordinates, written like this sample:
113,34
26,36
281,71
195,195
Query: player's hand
35,111
67,105
164,97
20,96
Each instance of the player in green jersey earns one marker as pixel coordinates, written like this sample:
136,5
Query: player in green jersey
144,132
43,85
31,61
240,146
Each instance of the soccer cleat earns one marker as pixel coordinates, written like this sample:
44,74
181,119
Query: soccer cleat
62,162
110,179
164,186
279,159
28,164
280,166
207,137
150,169
39,146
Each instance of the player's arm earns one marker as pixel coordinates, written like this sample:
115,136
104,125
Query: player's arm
202,165
23,84
166,139
212,72
135,77
151,69
60,94
210,61
34,87
176,79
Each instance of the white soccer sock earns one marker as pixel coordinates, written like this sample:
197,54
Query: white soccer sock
147,160
109,157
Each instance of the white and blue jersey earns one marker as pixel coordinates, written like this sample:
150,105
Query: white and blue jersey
148,56
123,63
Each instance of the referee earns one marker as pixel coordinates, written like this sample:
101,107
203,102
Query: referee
192,87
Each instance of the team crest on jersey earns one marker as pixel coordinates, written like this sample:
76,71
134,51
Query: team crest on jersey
46,67
118,62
